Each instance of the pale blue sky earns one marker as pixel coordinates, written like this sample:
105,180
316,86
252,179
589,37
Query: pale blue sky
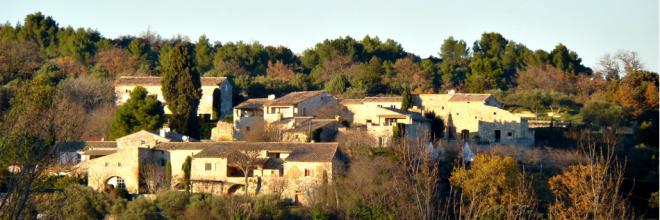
591,27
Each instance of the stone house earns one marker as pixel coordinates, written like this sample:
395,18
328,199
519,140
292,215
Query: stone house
305,103
286,113
382,115
216,93
291,170
476,117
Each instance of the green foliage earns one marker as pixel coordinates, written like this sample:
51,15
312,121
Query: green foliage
406,99
454,67
186,172
203,54
173,203
79,44
41,30
75,202
603,114
140,112
181,89
337,85
168,174
567,60
141,208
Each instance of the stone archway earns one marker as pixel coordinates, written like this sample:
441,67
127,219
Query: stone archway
234,188
116,182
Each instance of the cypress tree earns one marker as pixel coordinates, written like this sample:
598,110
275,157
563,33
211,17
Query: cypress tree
186,173
168,174
406,99
181,88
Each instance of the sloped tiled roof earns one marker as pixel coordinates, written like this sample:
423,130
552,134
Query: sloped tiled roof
155,80
311,124
300,152
98,152
466,97
351,101
256,103
295,98
101,144
382,99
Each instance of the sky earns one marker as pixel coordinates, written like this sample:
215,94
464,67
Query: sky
592,28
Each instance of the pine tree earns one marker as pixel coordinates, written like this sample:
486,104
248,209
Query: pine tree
203,55
140,112
181,89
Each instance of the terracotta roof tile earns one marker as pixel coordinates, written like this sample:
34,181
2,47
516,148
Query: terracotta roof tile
155,80
382,99
467,97
301,152
295,98
256,103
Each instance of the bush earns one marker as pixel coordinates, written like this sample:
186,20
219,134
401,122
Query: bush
141,208
173,203
75,202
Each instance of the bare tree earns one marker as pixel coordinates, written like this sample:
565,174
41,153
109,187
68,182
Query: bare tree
246,161
153,177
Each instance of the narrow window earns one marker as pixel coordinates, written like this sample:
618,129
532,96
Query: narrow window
119,164
308,172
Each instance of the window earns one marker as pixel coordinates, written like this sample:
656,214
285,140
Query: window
443,107
106,164
208,166
120,183
247,128
308,172
509,134
392,106
390,121
275,155
119,164
494,113
163,162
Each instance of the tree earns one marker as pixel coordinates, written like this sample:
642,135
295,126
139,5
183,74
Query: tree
168,175
406,99
141,208
337,85
118,62
140,112
181,90
18,60
246,161
186,172
454,67
568,61
75,202
603,114
203,55
279,70
494,187
41,30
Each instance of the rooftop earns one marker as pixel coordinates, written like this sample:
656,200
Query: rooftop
383,99
467,97
256,103
300,152
155,80
295,98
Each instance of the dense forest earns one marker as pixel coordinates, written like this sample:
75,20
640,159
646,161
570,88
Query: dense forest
63,77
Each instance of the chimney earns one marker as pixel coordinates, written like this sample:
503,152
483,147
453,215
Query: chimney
271,97
164,131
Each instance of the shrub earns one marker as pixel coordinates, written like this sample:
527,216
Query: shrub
141,208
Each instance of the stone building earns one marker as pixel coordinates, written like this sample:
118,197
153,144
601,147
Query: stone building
473,117
287,113
291,170
476,117
216,93
382,115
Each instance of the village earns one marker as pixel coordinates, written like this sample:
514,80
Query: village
304,152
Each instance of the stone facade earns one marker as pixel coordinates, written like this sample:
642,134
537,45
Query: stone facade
477,117
286,169
214,89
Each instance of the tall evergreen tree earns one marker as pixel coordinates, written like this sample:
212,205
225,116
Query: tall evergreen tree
406,98
203,55
181,88
454,66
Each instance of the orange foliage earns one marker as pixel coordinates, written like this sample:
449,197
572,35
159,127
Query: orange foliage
117,62
279,70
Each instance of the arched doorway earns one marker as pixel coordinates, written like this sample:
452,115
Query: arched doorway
116,182
234,188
